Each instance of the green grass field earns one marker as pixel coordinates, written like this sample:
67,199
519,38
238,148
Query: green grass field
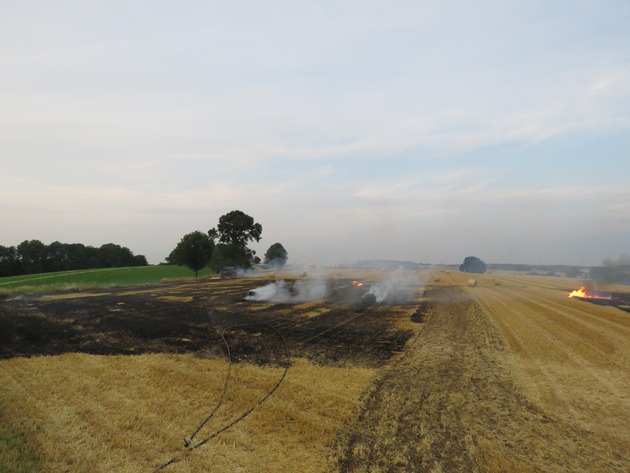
88,278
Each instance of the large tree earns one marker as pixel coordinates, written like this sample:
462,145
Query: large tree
472,264
234,231
276,255
193,251
237,228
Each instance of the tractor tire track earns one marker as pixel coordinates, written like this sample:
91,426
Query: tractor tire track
449,403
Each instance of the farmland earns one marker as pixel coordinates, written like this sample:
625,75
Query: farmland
63,280
510,375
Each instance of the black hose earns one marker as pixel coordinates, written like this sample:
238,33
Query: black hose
188,441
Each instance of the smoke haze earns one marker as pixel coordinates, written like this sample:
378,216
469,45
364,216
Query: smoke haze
399,287
392,287
282,292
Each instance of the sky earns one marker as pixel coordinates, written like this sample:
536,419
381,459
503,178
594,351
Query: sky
350,130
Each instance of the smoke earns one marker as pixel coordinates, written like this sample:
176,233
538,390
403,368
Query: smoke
623,260
613,272
248,273
397,287
311,290
283,292
400,287
382,290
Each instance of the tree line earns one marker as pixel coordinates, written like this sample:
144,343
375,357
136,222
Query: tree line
33,256
225,246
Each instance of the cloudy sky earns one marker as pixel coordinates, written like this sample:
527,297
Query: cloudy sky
412,130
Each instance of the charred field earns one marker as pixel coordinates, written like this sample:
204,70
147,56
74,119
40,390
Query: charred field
189,317
113,379
614,299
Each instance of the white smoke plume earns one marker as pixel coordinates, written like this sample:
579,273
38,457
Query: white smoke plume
382,290
282,292
399,287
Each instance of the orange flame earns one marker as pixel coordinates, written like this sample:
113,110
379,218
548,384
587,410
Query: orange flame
357,283
581,292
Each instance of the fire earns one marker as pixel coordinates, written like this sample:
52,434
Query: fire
357,283
581,292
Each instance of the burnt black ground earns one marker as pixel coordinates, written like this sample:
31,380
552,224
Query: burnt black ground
618,300
189,317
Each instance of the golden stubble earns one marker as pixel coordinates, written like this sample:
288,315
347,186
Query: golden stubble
85,413
509,375
568,357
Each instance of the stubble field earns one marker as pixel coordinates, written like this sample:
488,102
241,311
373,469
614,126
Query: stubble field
510,375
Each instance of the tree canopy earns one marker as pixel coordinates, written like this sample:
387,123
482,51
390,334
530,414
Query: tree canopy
472,264
236,228
276,255
9,261
33,256
234,231
193,251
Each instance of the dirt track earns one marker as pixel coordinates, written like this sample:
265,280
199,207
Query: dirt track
450,403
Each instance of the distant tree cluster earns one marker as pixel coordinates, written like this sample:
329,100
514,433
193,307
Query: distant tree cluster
33,256
472,264
225,246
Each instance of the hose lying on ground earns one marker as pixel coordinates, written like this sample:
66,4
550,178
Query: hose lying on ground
188,442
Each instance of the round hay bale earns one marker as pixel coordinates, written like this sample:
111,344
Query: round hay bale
472,283
437,278
496,282
272,275
303,274
369,299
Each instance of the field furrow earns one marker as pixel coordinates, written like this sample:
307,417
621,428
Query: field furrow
455,401
568,357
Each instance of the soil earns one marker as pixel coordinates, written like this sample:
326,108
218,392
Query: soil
185,317
408,422
449,403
